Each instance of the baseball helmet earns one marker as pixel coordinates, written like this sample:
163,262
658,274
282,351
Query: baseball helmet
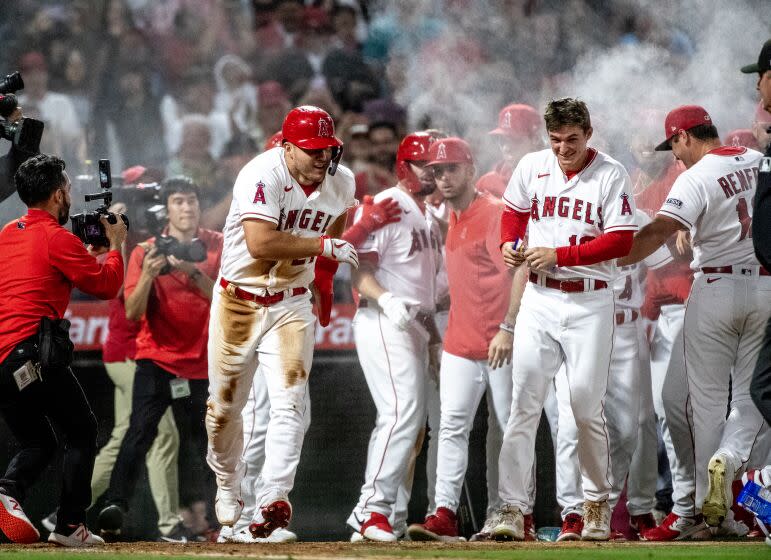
274,141
413,148
450,150
517,120
310,128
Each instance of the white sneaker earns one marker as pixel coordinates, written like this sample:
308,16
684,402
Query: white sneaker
719,495
14,523
228,506
511,525
596,521
377,528
79,537
226,532
357,537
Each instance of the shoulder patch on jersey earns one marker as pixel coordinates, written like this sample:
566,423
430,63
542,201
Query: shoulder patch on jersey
259,194
626,208
676,202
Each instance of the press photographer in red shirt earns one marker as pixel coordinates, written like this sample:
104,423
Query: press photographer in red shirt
41,263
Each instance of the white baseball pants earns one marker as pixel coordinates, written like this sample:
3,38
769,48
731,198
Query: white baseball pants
671,402
395,366
255,417
463,384
280,339
555,327
725,318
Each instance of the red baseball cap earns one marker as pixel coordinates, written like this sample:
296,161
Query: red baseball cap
517,120
684,117
449,150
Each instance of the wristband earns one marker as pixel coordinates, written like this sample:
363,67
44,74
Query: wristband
506,327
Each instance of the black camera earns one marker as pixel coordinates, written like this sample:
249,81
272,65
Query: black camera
26,133
195,251
87,226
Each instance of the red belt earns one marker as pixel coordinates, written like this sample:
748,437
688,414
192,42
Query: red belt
734,270
621,317
569,285
262,300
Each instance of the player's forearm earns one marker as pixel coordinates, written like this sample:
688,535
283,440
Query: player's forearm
276,245
518,284
650,238
364,282
338,227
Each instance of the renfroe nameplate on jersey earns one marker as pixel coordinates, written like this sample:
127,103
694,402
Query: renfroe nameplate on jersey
180,388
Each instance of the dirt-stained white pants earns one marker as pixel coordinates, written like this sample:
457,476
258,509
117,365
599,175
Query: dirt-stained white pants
279,339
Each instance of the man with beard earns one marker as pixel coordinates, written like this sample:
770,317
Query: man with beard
44,262
394,331
383,139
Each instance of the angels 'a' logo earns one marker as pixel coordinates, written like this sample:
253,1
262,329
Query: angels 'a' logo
324,128
441,152
626,208
534,212
506,120
259,195
673,128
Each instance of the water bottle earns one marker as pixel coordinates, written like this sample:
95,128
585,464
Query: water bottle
548,534
756,499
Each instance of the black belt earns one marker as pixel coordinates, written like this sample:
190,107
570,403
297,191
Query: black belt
746,270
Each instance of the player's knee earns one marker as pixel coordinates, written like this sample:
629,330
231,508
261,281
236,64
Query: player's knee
453,424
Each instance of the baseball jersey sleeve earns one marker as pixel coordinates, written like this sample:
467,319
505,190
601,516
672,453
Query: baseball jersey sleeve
618,207
258,197
685,202
516,196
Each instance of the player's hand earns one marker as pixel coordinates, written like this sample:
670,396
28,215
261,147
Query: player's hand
339,250
116,233
153,263
500,349
375,215
396,310
512,257
185,266
541,258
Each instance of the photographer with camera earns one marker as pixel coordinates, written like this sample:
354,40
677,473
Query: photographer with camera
42,263
168,288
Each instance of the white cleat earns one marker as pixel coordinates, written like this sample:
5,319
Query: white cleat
228,507
511,525
79,537
596,521
719,495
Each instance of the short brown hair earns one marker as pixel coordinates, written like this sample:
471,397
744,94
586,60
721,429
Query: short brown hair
567,112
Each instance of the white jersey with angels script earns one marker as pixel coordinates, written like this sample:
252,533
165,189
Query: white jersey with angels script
409,252
264,190
713,199
598,199
628,287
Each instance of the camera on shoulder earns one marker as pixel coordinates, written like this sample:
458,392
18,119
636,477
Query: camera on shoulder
25,134
87,226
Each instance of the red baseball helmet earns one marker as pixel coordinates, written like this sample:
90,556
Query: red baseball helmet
450,150
517,120
310,128
274,141
413,148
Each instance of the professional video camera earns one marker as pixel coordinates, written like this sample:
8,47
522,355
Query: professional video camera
25,134
87,226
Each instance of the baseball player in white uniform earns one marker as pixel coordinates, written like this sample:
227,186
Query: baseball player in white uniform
629,391
393,330
582,216
285,201
729,303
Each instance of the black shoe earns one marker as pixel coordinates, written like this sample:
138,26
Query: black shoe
180,534
111,519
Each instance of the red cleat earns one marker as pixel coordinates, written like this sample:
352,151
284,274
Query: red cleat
572,526
676,528
270,518
529,527
442,526
641,524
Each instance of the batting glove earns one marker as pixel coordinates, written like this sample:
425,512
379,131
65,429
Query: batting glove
339,250
396,310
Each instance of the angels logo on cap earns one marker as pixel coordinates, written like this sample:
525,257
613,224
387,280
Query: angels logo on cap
324,128
441,152
506,120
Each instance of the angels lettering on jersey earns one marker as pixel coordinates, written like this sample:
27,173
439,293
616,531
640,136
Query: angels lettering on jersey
573,208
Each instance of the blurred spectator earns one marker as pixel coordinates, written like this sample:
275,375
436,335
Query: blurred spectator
236,94
288,14
385,110
193,159
237,153
290,68
405,27
345,23
316,41
129,130
63,130
355,138
77,85
272,106
195,96
350,80
380,173
321,97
